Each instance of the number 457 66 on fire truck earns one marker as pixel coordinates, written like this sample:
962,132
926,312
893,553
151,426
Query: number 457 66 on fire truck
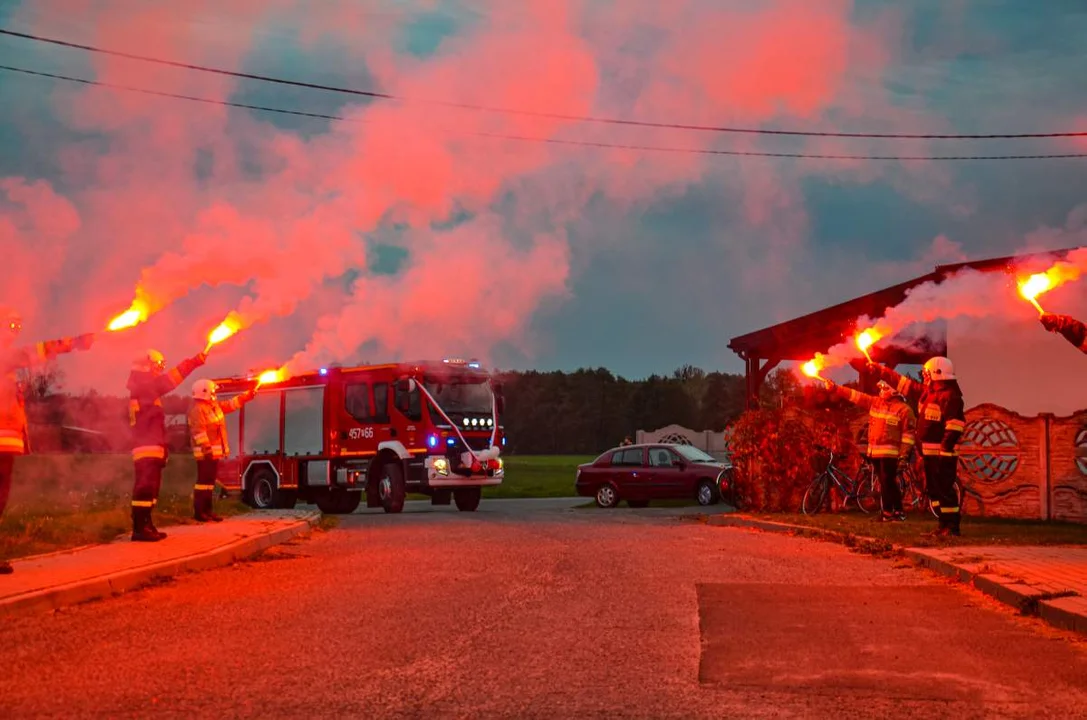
333,435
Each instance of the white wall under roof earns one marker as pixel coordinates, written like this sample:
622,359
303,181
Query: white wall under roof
1015,363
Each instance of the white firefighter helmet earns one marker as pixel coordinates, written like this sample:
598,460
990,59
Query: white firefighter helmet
150,360
938,368
204,390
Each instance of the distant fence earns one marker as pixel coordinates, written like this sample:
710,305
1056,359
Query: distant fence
709,441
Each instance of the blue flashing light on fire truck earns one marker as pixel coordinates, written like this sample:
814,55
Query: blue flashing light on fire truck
335,435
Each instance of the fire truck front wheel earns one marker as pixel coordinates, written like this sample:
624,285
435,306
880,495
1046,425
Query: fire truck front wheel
391,487
467,499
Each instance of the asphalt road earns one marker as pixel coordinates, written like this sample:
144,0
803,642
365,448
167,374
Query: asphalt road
532,609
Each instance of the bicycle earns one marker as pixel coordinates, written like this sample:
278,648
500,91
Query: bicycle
859,490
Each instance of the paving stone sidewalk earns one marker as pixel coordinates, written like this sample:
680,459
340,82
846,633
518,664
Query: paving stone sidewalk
1050,581
46,582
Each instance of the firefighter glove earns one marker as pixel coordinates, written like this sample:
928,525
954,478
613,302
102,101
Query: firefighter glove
83,342
1053,322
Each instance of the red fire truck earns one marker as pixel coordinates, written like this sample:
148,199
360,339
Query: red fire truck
331,435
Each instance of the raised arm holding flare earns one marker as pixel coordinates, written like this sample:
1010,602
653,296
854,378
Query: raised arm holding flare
14,438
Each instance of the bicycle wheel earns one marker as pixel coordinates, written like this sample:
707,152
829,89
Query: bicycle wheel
816,495
912,497
869,496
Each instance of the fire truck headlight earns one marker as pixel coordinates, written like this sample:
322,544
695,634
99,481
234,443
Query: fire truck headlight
490,422
441,466
475,421
466,422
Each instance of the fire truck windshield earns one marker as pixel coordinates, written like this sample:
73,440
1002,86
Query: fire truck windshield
458,397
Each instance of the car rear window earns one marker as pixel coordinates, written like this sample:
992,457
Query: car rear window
629,456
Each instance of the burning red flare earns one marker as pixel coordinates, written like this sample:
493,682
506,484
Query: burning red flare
226,329
867,339
1043,282
137,313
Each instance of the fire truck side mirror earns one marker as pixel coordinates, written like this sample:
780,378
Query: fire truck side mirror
406,385
499,398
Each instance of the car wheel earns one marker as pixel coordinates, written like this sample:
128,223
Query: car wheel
707,493
607,496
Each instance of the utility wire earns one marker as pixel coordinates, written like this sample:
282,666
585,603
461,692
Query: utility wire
550,141
532,113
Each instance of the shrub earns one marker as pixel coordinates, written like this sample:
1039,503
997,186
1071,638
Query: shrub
777,453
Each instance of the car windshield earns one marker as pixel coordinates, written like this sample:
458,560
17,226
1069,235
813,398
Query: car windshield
461,397
693,454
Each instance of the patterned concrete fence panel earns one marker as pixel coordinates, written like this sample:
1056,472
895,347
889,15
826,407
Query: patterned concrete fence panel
1068,467
1002,463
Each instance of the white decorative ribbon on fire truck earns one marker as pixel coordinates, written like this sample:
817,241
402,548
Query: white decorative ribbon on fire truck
490,453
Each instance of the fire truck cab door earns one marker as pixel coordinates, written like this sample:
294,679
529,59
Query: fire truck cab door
364,420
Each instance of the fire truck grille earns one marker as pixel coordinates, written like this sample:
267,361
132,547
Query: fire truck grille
476,443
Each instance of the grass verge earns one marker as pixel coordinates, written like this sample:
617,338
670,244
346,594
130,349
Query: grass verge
975,530
64,501
538,476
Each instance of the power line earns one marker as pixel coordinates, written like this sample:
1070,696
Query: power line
534,113
550,141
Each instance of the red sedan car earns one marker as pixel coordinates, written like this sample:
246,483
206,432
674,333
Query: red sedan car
640,473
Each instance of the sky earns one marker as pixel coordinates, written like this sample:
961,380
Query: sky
409,227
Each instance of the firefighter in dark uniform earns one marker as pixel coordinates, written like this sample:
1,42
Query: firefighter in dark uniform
1068,327
147,383
891,425
207,429
940,422
14,438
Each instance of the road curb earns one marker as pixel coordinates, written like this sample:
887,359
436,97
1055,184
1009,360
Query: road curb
122,581
789,529
1067,613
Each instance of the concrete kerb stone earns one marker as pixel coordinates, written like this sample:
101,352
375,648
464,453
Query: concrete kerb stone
125,580
1069,613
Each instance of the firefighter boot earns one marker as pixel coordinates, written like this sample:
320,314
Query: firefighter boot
201,505
151,527
141,526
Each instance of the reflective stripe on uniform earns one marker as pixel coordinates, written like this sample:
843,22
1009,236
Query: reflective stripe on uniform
175,377
948,453
955,425
143,503
883,450
203,487
949,509
903,385
908,439
149,452
887,417
931,449
201,438
11,441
